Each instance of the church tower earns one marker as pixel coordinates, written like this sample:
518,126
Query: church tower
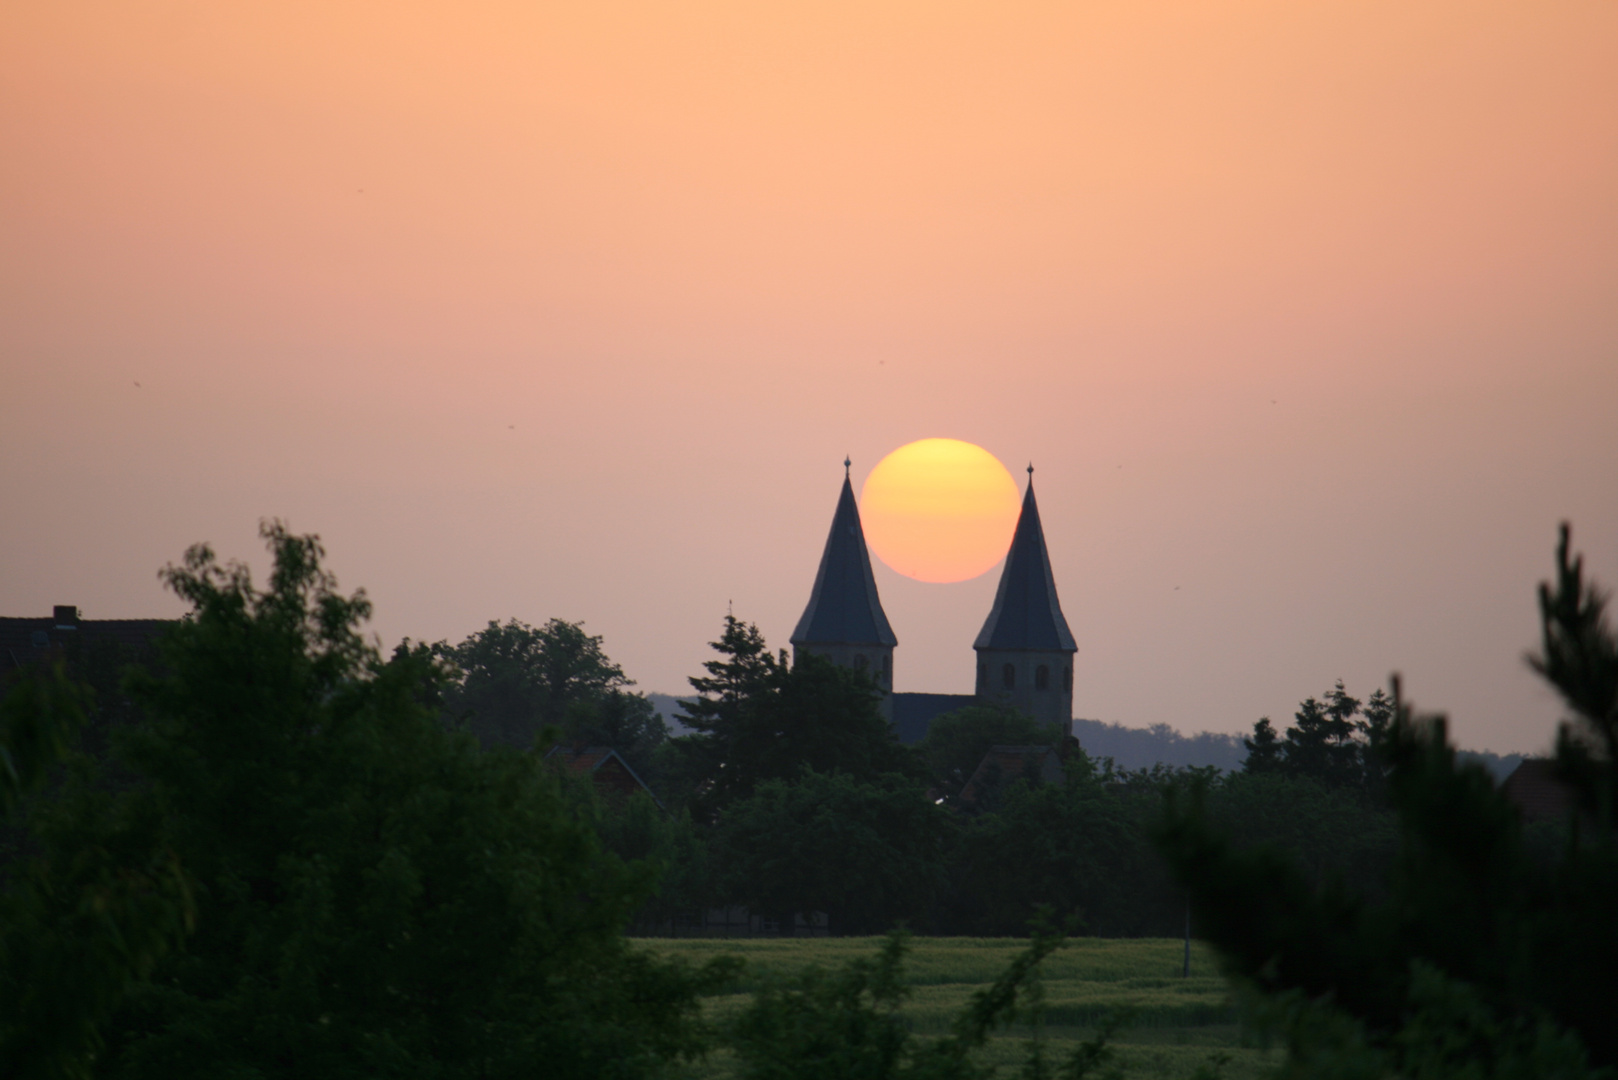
844,621
1025,650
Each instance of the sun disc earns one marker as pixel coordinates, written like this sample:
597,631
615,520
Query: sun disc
939,510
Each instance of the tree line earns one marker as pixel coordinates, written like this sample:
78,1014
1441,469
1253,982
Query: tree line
288,854
791,795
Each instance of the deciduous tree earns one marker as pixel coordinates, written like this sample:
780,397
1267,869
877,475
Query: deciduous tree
376,896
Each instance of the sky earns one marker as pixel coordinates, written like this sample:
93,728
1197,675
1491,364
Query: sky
1307,315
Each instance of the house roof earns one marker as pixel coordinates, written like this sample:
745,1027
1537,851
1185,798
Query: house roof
1537,790
1013,762
30,640
1026,612
844,608
589,760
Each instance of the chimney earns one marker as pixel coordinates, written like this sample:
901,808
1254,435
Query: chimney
67,617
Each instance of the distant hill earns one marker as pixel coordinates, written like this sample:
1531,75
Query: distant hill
668,707
1141,748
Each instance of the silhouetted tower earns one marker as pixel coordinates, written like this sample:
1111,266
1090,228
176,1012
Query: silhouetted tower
1025,650
844,621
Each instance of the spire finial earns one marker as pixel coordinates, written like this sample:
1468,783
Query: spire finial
1030,470
847,462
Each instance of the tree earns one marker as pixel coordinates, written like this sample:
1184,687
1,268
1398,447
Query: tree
636,829
81,924
1579,656
1075,847
507,683
1321,744
957,741
375,895
760,717
868,854
1326,743
747,671
626,722
1374,730
1478,956
1263,749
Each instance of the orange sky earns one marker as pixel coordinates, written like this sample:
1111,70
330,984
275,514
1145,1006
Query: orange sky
574,309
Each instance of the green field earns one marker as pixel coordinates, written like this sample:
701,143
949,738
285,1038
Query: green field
1180,1024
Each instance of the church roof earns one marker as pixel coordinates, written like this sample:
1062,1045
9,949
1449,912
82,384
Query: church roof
844,607
1026,613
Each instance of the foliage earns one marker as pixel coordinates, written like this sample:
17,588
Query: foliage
1482,960
40,717
1324,830
79,925
1326,743
1263,749
375,895
837,1025
832,1025
760,717
674,846
747,669
1083,846
626,722
957,741
868,854
1579,656
1084,982
507,683
1075,847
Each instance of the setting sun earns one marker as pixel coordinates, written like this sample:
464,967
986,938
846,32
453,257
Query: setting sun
939,510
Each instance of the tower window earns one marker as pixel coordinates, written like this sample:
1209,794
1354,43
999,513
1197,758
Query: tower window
887,667
860,663
1008,676
1067,678
983,677
1042,678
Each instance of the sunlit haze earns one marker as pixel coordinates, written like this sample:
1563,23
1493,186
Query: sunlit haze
1304,312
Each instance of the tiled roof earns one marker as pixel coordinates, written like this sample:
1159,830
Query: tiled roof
1537,791
1013,762
598,762
31,640
1026,612
844,608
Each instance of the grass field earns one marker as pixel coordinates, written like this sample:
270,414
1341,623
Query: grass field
1180,1024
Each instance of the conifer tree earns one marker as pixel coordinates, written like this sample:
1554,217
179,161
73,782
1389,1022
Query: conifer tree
1482,959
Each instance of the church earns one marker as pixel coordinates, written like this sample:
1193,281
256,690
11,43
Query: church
1024,652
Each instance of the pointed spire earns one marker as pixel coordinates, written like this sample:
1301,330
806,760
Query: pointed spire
844,607
1026,613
